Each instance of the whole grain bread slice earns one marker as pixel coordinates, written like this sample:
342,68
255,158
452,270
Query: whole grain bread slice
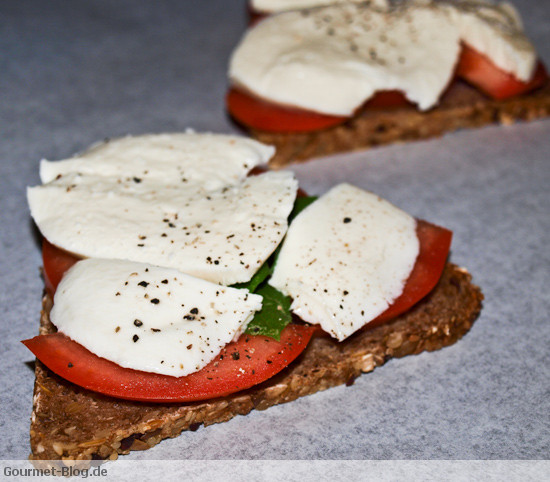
462,106
69,422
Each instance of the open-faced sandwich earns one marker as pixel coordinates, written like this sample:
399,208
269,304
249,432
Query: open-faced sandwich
184,287
353,75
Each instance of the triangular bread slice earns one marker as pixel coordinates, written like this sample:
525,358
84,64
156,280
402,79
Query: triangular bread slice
461,106
72,423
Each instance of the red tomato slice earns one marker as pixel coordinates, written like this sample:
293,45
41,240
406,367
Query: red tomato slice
435,243
241,364
56,261
260,114
254,16
478,70
387,99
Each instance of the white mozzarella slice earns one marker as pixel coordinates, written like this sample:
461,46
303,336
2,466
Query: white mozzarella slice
345,258
332,59
148,318
221,235
209,160
271,6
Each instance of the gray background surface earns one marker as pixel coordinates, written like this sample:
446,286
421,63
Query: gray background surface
72,73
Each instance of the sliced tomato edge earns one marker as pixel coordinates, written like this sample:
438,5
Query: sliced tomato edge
169,389
433,253
505,84
257,113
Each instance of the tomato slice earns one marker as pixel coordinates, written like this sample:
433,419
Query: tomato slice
241,364
55,261
264,115
257,113
435,243
387,99
476,69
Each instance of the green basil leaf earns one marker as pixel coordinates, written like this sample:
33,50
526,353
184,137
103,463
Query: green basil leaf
260,276
274,315
300,204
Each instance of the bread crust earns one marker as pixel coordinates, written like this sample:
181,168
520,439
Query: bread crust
461,106
69,422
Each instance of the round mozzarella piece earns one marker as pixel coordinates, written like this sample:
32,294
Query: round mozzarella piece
148,318
345,258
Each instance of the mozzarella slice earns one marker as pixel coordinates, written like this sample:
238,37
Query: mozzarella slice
148,318
332,59
223,235
210,161
271,6
345,259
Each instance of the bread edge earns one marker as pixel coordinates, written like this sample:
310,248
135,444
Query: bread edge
461,107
